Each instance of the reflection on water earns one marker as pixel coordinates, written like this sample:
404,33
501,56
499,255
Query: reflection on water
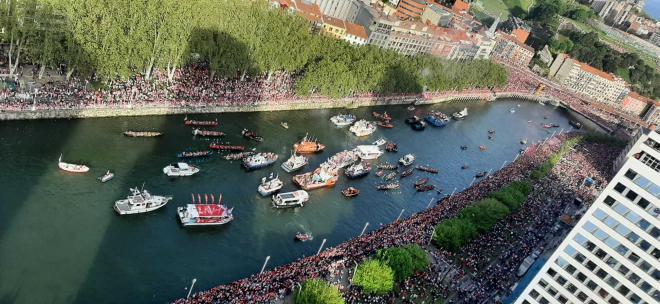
61,241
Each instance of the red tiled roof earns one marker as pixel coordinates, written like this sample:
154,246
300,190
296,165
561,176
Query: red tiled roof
356,30
634,95
515,40
309,11
333,21
460,6
589,69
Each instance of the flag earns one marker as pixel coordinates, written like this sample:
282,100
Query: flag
199,198
212,199
219,198
193,198
206,198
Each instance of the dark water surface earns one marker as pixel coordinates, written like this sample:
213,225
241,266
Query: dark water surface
61,242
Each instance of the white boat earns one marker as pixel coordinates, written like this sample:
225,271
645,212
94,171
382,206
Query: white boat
379,142
180,169
75,168
341,160
363,128
140,202
295,162
204,215
284,125
367,152
460,115
512,110
270,185
343,120
106,177
290,199
407,160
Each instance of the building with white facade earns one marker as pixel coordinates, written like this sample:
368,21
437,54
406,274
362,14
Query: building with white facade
612,254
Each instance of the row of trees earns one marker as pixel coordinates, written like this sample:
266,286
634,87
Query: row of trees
120,39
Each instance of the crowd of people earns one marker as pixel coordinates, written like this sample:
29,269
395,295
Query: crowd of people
560,188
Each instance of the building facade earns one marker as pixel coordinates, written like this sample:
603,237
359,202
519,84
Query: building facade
508,49
333,27
410,9
612,254
437,15
652,114
355,34
635,104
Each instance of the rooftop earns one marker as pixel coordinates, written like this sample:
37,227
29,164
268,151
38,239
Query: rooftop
333,21
356,30
589,69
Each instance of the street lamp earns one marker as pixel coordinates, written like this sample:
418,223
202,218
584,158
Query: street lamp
191,287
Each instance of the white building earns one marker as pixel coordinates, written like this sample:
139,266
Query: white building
611,255
346,10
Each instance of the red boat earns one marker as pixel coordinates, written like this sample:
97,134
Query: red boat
203,123
383,116
421,182
385,124
226,147
350,192
207,133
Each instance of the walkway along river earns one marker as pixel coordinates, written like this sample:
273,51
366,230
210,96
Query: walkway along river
61,242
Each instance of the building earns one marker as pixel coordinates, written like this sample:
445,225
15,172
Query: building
437,15
341,9
311,12
613,12
407,38
333,27
410,9
355,34
545,55
611,255
517,28
655,38
460,7
635,104
587,80
652,114
509,49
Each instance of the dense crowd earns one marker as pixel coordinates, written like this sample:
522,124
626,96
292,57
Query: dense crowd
280,281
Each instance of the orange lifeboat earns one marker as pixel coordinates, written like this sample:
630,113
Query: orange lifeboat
308,145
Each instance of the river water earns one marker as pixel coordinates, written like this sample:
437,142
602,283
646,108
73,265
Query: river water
61,242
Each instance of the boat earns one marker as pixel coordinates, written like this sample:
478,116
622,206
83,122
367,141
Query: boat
384,116
368,152
308,145
463,167
481,174
193,154
207,133
437,119
251,135
381,141
204,215
341,160
106,177
410,108
460,115
142,134
418,126
350,192
284,125
388,186
380,173
390,176
407,172
140,202
295,162
421,181
407,160
387,166
270,185
358,170
320,178
550,125
385,124
523,141
424,188
411,120
464,147
512,110
74,168
180,169
303,237
427,169
575,124
363,128
216,146
290,199
482,148
491,131
391,147
202,123
259,160
343,120
238,156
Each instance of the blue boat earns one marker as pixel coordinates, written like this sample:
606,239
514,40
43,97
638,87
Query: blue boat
437,119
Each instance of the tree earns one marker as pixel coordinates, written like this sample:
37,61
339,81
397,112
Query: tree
453,234
399,260
374,277
419,258
316,291
484,214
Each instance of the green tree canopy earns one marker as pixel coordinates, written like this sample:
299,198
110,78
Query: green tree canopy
374,277
316,291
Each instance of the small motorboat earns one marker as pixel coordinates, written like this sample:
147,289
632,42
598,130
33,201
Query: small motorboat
358,170
385,124
381,141
142,134
207,133
410,108
363,128
491,131
343,120
464,147
460,115
422,181
295,162
424,188
380,173
512,110
391,147
481,174
350,192
463,167
390,176
180,169
407,160
251,135
290,199
523,141
387,166
259,160
418,126
303,237
270,185
482,148
193,154
388,186
203,123
284,125
384,116
412,120
106,177
215,146
550,125
238,156
427,169
575,124
407,172
437,119
74,168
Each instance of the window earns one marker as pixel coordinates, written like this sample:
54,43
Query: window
631,195
580,276
551,272
591,265
630,174
620,188
582,296
561,280
570,269
608,201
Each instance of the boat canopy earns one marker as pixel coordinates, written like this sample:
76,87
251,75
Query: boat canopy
206,210
183,166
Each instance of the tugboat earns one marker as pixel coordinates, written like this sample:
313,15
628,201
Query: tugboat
303,237
391,147
387,166
575,124
180,169
407,160
385,124
216,146
422,181
259,160
368,152
460,115
308,145
290,199
140,202
207,133
142,134
251,135
204,215
481,174
270,185
319,178
74,168
350,192
407,172
427,169
343,120
294,163
358,170
193,154
202,123
238,156
437,119
388,186
106,177
363,128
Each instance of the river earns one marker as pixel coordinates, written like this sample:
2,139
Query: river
61,242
